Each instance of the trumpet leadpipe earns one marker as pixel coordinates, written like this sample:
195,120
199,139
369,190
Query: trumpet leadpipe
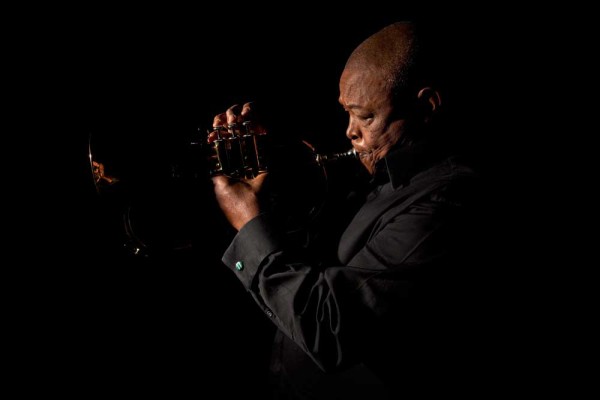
346,155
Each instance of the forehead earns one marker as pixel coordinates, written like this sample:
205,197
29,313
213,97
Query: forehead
362,85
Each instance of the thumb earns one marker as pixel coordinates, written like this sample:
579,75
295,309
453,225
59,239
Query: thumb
220,181
258,182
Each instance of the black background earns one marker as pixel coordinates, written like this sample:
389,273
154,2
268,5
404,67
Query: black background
144,80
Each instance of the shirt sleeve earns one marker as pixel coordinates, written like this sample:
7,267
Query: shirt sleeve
329,310
251,246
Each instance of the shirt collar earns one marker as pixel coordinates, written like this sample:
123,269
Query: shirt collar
404,161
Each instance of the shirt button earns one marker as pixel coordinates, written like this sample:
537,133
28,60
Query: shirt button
269,313
239,265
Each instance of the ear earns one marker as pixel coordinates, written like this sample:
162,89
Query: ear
430,99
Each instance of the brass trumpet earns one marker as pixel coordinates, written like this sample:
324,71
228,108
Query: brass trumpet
156,207
241,152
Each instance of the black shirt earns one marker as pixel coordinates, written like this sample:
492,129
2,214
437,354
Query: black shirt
385,316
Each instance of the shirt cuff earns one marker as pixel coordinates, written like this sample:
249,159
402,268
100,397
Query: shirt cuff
252,244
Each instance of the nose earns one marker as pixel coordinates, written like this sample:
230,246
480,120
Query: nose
352,132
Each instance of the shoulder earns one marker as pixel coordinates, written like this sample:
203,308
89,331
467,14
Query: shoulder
452,180
449,169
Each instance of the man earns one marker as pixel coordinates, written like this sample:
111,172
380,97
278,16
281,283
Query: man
388,316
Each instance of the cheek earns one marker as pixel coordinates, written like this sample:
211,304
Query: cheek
375,135
392,132
381,136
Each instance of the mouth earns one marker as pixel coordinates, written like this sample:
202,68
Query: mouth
362,153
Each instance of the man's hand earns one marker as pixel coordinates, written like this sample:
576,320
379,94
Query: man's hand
233,115
238,198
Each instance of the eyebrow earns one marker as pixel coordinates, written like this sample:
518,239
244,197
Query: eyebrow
352,106
349,106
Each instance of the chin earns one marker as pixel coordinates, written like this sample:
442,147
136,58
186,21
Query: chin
368,159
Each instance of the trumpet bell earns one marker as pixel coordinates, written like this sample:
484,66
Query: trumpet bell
158,205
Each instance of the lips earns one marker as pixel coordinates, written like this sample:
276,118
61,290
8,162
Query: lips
362,153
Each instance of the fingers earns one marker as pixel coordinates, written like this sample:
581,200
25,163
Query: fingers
249,114
225,120
224,123
216,134
219,120
247,111
233,115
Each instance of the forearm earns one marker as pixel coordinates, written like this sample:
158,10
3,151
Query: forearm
317,308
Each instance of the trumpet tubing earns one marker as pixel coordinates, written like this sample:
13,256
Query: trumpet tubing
240,152
346,155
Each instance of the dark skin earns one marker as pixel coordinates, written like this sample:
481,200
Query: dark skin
374,127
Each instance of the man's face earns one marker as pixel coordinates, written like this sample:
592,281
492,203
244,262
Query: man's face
374,125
